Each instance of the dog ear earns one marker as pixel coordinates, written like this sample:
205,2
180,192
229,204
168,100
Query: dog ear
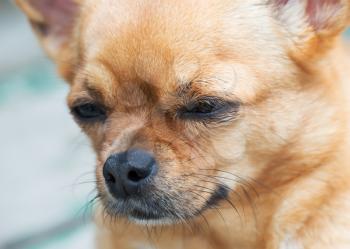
312,25
53,22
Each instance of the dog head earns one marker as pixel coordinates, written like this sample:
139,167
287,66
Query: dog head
187,102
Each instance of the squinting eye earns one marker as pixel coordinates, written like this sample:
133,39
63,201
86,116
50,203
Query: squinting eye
204,107
209,108
89,112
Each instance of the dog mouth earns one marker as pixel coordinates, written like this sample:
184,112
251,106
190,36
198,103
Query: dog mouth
162,209
139,214
137,210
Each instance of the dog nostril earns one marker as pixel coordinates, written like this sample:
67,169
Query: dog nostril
110,178
134,176
129,173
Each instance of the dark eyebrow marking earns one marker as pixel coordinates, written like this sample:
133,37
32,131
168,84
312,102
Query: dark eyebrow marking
189,92
92,94
184,89
151,92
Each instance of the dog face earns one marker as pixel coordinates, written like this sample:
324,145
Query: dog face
187,103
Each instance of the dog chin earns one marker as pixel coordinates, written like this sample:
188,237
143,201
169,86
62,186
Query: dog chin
139,214
152,222
143,216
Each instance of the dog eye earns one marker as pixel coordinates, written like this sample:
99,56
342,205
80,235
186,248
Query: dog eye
89,112
204,107
209,108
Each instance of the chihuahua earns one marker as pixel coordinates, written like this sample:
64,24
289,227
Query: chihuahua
217,124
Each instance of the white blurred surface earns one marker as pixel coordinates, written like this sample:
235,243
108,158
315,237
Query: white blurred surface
43,154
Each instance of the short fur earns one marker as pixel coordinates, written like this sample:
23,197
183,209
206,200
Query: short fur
282,155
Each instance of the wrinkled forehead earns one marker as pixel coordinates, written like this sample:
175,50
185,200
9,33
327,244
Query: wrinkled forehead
144,22
146,35
166,43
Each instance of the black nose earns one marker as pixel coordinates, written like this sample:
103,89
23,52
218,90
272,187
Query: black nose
129,173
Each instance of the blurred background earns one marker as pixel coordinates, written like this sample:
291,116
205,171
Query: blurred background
46,166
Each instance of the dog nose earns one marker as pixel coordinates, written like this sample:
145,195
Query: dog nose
129,173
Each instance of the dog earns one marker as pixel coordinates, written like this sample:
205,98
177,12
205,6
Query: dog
218,124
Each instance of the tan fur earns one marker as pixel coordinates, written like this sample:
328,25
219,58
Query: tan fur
285,156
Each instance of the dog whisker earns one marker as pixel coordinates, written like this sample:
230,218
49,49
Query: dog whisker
238,180
246,179
213,207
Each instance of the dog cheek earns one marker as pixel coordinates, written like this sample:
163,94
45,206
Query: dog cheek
229,147
179,175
